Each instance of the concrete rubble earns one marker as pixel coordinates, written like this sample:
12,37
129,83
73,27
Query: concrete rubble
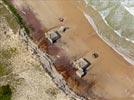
49,67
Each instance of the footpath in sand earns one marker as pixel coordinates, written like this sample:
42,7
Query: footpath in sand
111,76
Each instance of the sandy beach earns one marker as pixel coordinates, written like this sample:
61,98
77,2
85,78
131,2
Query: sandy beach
111,74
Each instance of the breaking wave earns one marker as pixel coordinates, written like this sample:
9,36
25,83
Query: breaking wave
113,20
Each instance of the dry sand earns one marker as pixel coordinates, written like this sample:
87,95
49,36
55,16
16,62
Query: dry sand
113,76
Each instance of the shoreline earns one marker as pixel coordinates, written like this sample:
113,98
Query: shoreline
85,37
90,20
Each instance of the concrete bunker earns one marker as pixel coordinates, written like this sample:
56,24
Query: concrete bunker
81,65
55,34
84,64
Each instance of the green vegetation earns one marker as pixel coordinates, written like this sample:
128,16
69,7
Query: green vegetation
3,69
5,92
3,10
17,16
12,22
5,55
9,18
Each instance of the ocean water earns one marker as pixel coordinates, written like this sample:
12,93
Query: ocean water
113,20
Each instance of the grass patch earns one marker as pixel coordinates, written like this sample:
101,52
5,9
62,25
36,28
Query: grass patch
9,18
3,69
5,55
17,16
8,53
3,11
5,92
13,24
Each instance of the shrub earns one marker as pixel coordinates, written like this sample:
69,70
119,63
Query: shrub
17,16
5,92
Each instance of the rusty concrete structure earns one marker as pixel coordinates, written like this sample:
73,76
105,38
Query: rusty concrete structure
67,49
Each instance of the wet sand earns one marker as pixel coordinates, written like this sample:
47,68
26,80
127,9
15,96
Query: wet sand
110,77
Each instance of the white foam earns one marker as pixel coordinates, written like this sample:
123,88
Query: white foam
90,20
129,9
116,31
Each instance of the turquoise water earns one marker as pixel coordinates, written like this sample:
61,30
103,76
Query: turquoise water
114,22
